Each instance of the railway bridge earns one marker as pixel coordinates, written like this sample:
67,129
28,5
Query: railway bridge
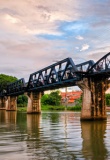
91,77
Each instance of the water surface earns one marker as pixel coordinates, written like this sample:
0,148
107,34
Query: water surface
53,136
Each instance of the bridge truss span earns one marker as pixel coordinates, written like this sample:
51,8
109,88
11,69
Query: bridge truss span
101,67
61,74
84,67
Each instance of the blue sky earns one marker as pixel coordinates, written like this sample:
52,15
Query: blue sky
36,33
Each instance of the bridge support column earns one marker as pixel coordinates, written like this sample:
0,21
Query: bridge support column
34,102
3,103
11,103
93,106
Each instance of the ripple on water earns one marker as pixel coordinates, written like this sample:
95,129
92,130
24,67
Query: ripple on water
54,136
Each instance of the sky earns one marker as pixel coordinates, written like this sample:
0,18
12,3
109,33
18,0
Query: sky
36,33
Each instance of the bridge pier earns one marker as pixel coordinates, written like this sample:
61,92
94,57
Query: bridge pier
93,106
34,102
11,103
3,103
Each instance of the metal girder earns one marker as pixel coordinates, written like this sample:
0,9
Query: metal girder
54,75
16,88
101,67
85,66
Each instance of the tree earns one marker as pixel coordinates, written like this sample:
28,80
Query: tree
22,101
6,79
51,99
45,99
54,98
107,98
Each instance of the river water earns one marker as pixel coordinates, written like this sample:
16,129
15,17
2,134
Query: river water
53,136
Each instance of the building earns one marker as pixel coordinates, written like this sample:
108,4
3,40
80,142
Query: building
68,98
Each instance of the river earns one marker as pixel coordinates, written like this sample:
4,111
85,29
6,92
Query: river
53,136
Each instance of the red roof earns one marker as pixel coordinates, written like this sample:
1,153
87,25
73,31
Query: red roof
72,96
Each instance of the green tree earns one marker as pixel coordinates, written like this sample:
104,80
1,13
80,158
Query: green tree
54,98
107,98
45,99
19,100
22,101
6,79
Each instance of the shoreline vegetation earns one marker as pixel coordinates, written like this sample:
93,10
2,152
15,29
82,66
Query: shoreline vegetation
56,108
52,108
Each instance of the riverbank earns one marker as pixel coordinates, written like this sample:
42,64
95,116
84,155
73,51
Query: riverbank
49,107
54,108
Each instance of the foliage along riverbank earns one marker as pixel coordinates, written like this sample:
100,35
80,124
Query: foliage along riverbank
52,108
50,102
59,108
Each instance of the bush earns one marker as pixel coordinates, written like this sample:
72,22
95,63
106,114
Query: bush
75,108
50,107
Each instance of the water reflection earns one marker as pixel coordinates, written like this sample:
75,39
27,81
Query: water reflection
2,116
10,117
93,146
54,117
52,136
33,125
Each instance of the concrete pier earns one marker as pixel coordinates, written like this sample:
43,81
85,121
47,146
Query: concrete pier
11,103
34,102
93,106
3,103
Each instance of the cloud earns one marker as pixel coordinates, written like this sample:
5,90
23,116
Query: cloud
40,18
98,53
77,47
79,37
84,47
34,33
11,19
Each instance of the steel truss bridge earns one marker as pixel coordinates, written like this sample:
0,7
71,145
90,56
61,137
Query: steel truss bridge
61,74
